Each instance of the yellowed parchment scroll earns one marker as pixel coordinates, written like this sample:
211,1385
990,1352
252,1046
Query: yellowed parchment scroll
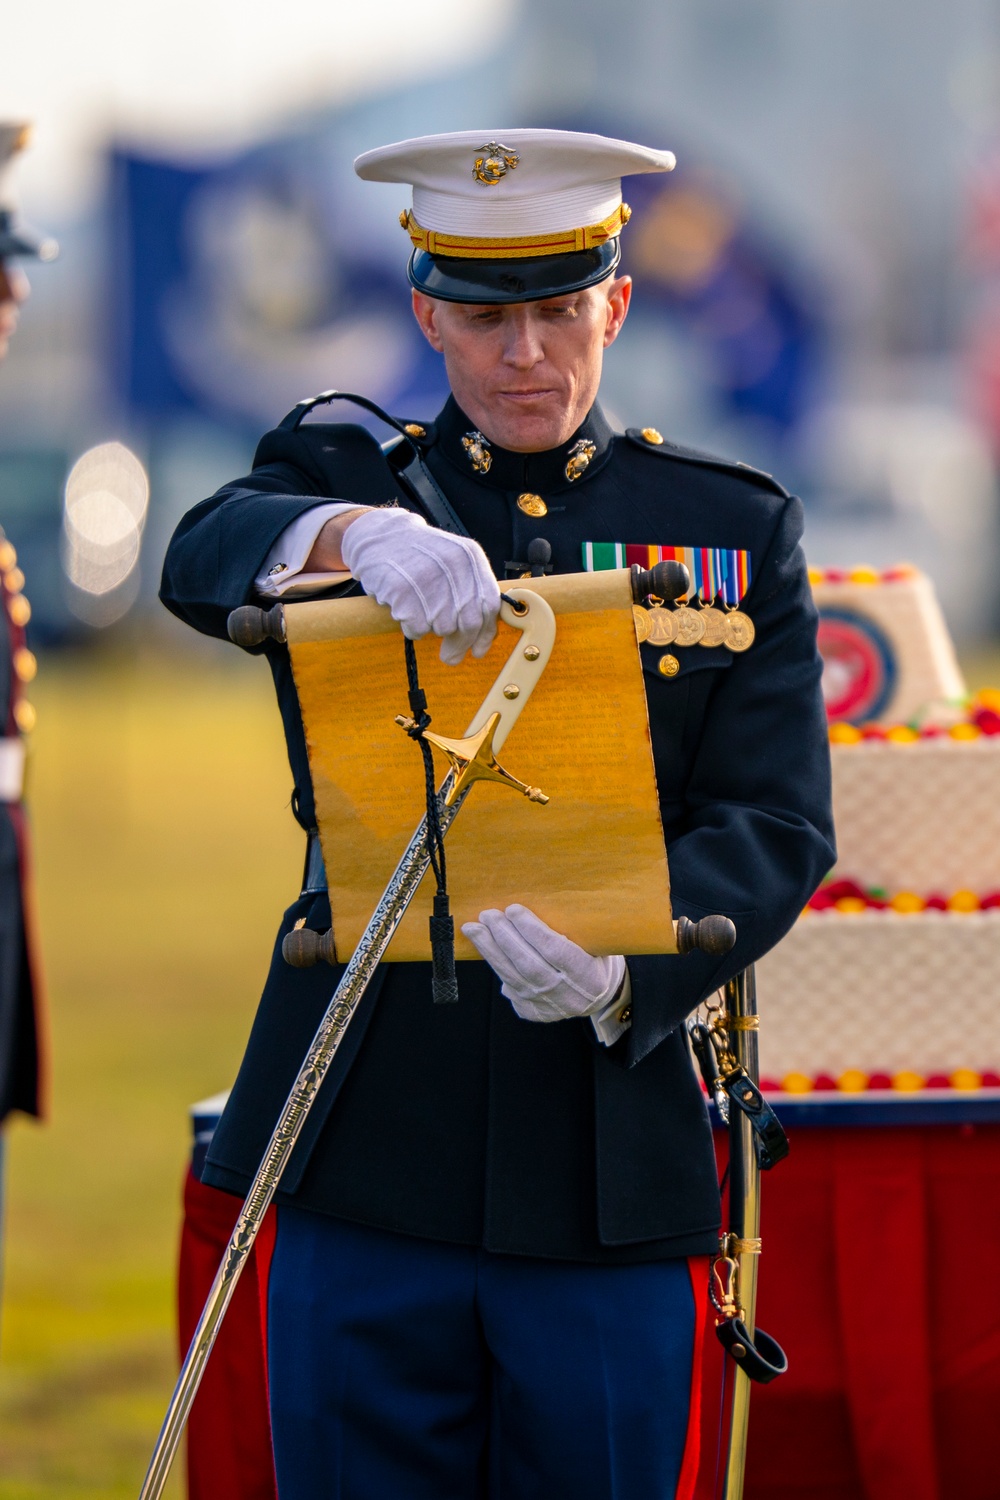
591,863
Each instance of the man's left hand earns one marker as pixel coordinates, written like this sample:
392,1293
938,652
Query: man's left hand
547,977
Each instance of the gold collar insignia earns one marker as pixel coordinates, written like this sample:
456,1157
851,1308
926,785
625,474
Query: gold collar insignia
478,449
579,457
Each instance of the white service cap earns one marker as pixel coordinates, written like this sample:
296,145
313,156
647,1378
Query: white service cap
492,204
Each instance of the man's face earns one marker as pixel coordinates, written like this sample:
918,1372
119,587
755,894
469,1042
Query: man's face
526,373
13,290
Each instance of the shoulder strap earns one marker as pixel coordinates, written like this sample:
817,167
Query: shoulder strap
664,448
415,476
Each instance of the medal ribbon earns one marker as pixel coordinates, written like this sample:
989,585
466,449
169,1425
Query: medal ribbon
715,572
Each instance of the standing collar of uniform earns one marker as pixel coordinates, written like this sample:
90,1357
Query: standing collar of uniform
540,472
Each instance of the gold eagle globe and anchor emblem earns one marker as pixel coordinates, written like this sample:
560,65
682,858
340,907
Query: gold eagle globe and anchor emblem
494,163
478,449
579,457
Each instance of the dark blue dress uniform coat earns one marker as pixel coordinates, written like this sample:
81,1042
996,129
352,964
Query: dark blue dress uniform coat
21,1080
463,1123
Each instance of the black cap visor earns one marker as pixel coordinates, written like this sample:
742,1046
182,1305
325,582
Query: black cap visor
529,280
18,240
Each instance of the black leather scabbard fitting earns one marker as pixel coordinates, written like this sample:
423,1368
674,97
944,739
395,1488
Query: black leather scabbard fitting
761,1357
769,1139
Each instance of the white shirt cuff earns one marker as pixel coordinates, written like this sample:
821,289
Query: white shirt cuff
616,1017
282,576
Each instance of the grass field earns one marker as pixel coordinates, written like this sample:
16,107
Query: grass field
165,853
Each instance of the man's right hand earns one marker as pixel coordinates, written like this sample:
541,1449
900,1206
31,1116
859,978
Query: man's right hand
431,580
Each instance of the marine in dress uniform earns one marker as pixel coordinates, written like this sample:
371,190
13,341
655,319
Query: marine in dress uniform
20,1047
488,1269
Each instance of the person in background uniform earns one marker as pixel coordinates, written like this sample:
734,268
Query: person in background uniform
490,1263
20,989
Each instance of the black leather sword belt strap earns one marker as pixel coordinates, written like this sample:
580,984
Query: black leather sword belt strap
760,1357
314,874
769,1139
415,476
428,493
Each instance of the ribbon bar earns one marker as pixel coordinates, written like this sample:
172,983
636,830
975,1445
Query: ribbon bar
715,572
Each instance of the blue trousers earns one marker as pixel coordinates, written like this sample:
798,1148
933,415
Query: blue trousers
405,1369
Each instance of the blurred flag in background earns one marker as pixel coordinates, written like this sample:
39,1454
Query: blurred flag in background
240,289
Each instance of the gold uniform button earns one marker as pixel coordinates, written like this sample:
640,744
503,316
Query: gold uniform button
414,429
19,610
652,436
24,715
8,557
14,581
532,505
626,1014
668,664
25,665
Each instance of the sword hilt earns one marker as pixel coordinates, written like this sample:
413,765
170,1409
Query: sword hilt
249,626
714,935
303,948
664,580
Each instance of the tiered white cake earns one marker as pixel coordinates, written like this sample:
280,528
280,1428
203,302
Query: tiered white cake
889,977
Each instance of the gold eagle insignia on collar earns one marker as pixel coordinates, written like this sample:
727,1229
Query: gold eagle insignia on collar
579,457
478,449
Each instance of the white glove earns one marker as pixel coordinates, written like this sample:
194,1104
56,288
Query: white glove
546,977
431,580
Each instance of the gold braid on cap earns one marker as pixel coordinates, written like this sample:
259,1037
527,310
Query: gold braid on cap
518,247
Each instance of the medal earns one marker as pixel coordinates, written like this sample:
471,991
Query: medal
720,576
662,626
655,625
739,631
716,627
689,627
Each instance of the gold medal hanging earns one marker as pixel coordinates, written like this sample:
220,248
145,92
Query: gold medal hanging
689,627
655,625
662,626
739,631
716,627
641,618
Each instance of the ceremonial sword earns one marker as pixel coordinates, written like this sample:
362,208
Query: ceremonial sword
727,1055
472,759
744,1215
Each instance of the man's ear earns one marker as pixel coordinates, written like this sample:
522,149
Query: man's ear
619,298
425,312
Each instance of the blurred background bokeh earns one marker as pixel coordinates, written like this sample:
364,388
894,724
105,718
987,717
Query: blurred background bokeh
817,293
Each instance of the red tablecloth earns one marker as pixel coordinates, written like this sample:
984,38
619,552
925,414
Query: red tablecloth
877,1277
